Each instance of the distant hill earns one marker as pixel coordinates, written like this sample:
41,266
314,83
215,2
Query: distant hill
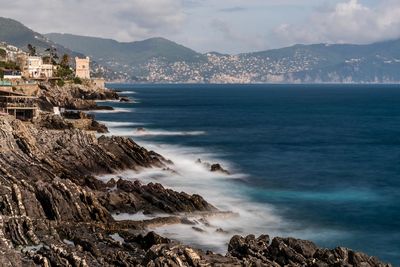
127,53
17,34
160,60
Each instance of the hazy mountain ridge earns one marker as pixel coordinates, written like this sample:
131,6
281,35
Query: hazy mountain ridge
161,60
377,62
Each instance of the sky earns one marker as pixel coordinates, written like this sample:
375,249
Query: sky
226,26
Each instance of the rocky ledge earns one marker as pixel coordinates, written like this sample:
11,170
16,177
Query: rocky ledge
73,96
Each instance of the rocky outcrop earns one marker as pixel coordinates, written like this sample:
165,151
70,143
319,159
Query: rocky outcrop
259,251
132,197
73,96
47,194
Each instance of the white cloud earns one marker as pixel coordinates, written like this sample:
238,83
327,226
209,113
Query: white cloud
125,20
346,22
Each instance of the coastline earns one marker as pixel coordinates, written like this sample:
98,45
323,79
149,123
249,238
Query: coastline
95,201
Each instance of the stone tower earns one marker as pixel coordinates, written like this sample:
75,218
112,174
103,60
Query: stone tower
82,67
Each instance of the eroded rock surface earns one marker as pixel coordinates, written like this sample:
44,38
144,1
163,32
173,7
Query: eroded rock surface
50,200
73,96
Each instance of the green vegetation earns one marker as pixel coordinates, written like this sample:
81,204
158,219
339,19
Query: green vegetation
77,80
3,53
64,70
127,53
9,65
60,83
31,50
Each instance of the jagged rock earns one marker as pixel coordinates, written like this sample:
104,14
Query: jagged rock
218,168
73,96
124,99
294,252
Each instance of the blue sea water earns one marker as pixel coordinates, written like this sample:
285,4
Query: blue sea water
324,159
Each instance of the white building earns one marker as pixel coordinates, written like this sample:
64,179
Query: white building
37,69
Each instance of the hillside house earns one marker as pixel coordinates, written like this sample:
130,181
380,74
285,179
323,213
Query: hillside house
12,75
82,70
37,70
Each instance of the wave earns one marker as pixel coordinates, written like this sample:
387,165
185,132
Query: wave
115,110
127,93
127,129
166,133
117,124
218,189
107,101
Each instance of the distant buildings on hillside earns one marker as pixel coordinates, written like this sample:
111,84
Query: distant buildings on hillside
21,73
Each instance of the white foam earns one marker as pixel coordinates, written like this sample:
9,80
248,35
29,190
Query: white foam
219,190
117,238
115,110
140,216
107,101
166,133
115,124
127,93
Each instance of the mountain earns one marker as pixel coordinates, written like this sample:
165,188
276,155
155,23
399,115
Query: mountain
160,60
127,53
17,34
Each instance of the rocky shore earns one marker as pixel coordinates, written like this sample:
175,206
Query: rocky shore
54,212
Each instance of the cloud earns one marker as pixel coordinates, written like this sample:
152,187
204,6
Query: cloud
232,39
233,9
121,19
345,22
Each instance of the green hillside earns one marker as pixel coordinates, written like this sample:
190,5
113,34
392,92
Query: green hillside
133,53
17,34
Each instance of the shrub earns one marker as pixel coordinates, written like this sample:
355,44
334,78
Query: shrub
60,83
77,80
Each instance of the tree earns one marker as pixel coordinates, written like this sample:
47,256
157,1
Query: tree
64,60
64,71
52,55
32,50
3,54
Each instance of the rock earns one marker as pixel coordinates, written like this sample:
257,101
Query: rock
73,96
218,168
197,229
124,99
294,252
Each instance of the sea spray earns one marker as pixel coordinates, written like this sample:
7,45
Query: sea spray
217,188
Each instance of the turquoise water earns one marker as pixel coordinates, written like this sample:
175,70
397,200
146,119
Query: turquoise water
324,159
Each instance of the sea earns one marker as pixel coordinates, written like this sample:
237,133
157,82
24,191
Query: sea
317,162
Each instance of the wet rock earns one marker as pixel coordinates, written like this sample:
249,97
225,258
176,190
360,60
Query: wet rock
294,252
218,168
197,229
124,99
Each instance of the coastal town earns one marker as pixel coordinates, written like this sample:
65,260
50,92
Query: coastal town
22,73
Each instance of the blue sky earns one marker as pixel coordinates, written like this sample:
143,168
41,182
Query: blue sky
227,26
